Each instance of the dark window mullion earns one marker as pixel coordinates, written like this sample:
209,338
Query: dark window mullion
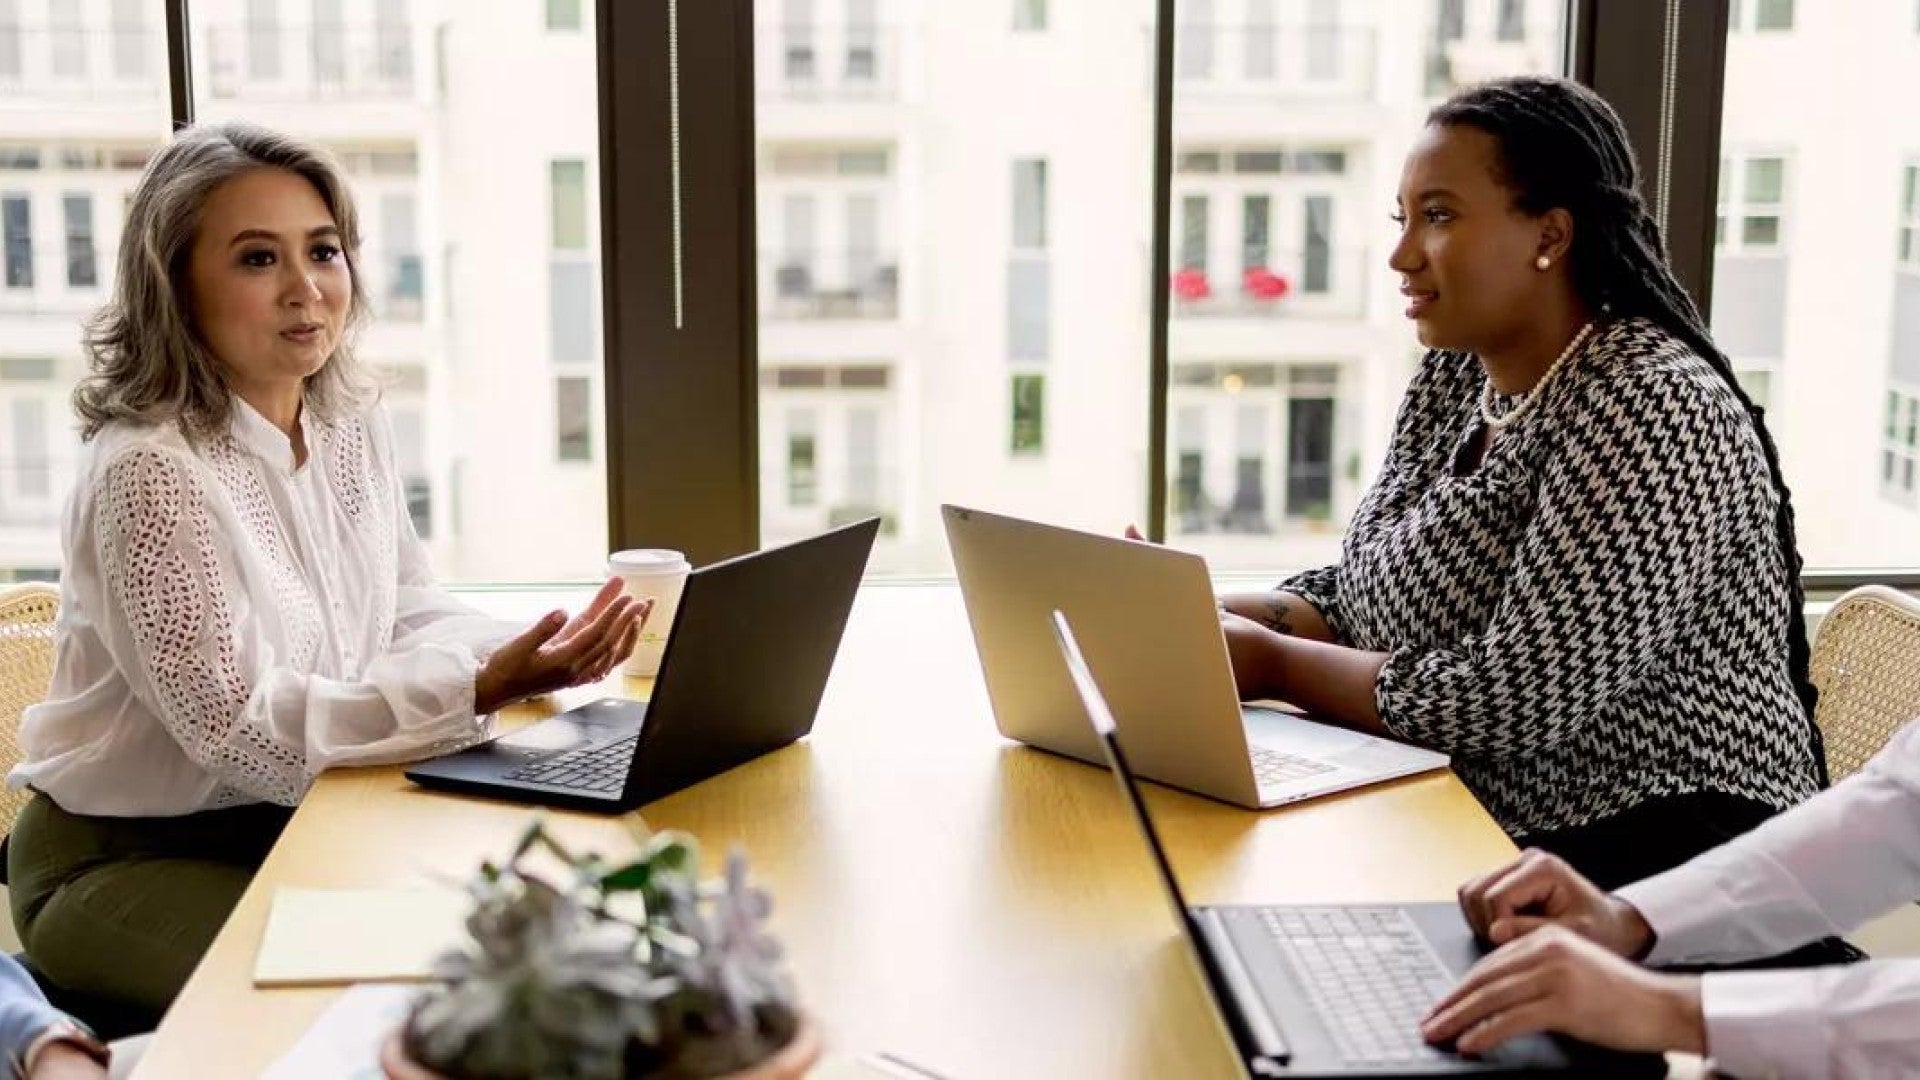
681,367
1617,48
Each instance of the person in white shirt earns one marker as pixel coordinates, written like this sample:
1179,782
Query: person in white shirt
243,601
1566,949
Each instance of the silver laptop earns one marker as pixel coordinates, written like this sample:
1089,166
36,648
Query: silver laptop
1332,990
1149,622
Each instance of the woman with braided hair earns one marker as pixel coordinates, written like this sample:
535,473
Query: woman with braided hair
1576,573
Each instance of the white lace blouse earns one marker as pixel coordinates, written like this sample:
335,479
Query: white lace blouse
231,625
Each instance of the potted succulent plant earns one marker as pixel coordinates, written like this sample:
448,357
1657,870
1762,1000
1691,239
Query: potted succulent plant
634,971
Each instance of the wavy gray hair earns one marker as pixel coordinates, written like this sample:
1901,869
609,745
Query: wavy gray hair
148,363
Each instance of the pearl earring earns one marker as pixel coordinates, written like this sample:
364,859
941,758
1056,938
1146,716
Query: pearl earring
1542,263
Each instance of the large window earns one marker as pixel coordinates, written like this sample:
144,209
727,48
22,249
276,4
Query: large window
954,258
976,246
1814,295
470,136
1286,363
82,106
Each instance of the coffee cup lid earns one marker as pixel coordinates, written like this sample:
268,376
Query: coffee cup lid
646,561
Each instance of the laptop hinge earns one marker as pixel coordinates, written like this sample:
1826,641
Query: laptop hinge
1270,1050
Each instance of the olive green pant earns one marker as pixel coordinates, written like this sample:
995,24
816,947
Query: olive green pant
123,908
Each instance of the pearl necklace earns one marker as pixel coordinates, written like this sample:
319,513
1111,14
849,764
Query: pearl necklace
1527,399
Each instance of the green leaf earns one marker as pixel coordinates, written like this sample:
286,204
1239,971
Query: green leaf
627,878
673,852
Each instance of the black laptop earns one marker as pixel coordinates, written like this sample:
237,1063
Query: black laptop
746,662
1334,991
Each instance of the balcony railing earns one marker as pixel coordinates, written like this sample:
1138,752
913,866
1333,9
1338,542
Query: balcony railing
856,283
1283,284
310,63
828,62
83,64
1275,62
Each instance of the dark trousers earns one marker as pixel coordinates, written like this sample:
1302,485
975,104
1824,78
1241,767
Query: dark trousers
1662,833
123,908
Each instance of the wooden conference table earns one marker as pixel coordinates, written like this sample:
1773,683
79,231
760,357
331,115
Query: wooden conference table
975,907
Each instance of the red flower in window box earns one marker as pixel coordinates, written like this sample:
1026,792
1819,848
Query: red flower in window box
1191,284
1263,284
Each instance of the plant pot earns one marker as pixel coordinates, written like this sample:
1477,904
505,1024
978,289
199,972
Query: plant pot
792,1062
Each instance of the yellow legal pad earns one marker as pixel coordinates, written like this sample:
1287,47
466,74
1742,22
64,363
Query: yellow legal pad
328,937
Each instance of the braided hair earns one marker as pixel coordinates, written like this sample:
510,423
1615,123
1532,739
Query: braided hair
1561,145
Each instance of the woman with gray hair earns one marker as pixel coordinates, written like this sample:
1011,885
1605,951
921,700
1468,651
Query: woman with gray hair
244,602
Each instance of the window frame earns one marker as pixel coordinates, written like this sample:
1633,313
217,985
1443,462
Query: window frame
680,377
1736,207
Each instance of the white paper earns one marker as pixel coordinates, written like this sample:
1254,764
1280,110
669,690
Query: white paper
344,1043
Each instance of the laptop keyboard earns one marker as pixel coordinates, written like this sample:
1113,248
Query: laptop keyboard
1370,975
1271,767
599,769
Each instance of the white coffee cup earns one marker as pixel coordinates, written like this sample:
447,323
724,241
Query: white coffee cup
660,575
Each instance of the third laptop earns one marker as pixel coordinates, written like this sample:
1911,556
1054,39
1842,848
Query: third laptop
1331,990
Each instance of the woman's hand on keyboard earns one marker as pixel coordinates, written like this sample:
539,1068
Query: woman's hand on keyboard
1538,890
1558,981
558,652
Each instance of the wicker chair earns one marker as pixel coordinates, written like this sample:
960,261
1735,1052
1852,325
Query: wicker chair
26,667
1866,663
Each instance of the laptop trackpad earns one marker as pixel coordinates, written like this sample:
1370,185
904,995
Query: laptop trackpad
588,725
1293,734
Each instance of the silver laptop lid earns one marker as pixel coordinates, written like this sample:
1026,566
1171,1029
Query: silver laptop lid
1149,625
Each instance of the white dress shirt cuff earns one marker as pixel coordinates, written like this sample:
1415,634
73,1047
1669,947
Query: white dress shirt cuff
1763,1024
1680,905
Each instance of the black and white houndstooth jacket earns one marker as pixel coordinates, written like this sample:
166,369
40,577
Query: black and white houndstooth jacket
1594,616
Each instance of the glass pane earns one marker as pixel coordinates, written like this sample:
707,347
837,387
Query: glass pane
1760,231
1758,383
1773,15
16,230
68,41
263,40
1513,21
10,41
959,247
83,103
1030,203
1256,214
82,269
563,14
469,137
1310,336
1193,236
569,205
1765,178
129,37
1029,414
802,456
1823,198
